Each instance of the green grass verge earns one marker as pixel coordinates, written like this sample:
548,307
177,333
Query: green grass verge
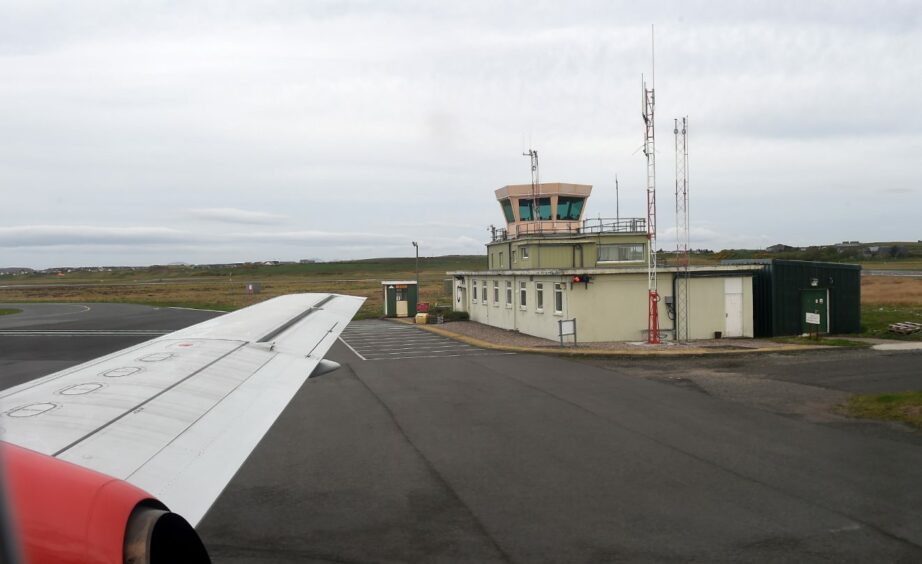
9,311
875,320
905,407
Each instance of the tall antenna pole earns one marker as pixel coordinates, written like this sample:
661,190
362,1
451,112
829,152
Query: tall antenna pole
534,182
617,203
649,150
682,229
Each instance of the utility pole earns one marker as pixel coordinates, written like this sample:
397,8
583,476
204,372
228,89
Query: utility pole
617,203
416,247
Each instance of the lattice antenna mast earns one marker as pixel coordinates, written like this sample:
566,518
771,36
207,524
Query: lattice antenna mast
682,228
534,181
649,150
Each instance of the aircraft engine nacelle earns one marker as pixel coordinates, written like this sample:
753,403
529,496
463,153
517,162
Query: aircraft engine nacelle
64,513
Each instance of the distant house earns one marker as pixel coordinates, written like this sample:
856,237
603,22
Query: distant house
780,248
15,271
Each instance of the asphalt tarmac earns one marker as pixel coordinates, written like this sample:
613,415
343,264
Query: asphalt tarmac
526,458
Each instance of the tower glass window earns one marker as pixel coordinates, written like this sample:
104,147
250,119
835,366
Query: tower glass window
569,208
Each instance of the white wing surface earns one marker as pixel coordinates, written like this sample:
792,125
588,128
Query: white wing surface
177,416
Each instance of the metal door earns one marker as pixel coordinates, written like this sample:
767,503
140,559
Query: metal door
733,307
814,310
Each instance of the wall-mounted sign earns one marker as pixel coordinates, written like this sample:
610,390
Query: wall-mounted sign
813,318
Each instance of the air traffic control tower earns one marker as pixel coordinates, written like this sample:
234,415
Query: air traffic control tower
545,229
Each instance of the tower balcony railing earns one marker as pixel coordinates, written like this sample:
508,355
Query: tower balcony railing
551,228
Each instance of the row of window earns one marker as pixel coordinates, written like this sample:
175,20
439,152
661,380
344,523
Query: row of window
618,252
523,294
568,209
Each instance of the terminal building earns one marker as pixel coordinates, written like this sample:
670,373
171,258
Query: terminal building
550,264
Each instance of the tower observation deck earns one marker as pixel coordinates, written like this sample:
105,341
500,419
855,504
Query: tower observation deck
554,209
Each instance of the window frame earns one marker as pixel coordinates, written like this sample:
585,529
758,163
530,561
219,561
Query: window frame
643,251
539,297
508,293
524,253
558,292
474,291
496,293
483,295
523,296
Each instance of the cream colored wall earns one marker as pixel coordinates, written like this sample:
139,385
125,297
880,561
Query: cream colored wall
491,312
707,307
542,324
611,308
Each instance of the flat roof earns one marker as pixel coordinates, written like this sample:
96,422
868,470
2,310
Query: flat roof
544,189
398,281
619,270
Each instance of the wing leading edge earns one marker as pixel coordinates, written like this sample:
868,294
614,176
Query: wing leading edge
178,415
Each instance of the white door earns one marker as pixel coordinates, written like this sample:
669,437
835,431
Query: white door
733,307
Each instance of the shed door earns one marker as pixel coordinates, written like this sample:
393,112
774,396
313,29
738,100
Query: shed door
814,303
733,307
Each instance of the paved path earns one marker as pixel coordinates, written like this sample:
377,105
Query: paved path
388,340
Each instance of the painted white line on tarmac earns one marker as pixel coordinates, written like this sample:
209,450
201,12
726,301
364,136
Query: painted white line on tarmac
447,356
351,349
82,333
197,309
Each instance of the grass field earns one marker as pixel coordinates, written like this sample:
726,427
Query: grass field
904,406
890,299
225,288
9,311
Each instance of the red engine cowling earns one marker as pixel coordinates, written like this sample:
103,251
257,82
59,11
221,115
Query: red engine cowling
64,513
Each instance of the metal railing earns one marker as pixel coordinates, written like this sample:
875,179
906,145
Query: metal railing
585,227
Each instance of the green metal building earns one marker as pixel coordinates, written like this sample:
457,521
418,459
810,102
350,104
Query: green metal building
789,293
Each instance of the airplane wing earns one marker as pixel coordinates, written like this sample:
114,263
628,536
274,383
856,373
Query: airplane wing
177,416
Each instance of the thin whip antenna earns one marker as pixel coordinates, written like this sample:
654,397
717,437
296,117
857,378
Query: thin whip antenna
652,58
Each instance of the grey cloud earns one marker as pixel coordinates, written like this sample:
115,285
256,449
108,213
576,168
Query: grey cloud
234,215
81,235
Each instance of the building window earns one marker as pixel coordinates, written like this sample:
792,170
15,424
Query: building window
496,292
523,296
513,255
524,252
621,252
528,208
501,264
558,298
508,293
507,211
569,208
483,292
539,297
474,290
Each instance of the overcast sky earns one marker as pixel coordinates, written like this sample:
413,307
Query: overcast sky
154,132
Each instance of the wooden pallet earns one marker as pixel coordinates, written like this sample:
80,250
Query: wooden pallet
905,328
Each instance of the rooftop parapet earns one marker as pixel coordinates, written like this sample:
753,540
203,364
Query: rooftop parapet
630,225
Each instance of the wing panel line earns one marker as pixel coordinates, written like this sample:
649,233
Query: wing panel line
146,401
199,418
328,333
